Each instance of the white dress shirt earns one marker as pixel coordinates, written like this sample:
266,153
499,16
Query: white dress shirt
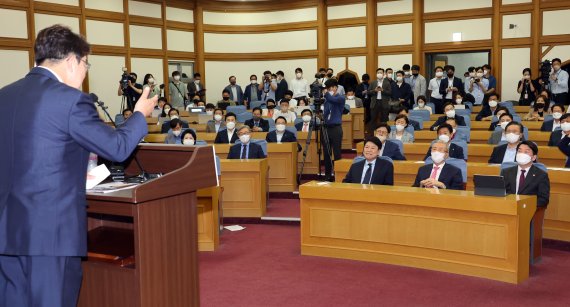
279,136
434,88
230,134
379,95
366,169
299,87
289,116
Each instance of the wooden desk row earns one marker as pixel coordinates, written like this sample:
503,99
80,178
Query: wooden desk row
557,218
484,125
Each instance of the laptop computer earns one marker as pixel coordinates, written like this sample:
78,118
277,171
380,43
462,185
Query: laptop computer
489,185
196,109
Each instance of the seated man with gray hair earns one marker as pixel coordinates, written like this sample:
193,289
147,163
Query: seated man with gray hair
439,174
245,149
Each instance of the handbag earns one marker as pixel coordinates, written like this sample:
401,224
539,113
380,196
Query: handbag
185,100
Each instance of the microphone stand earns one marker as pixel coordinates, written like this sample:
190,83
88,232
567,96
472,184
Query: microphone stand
143,176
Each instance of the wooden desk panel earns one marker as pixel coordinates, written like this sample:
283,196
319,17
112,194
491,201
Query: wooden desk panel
208,218
449,231
245,187
347,131
312,160
357,123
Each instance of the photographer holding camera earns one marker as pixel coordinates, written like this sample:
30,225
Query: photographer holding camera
332,116
129,87
268,86
478,86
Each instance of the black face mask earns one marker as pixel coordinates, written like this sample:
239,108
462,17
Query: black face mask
271,107
195,101
539,106
329,75
226,98
450,75
323,75
415,74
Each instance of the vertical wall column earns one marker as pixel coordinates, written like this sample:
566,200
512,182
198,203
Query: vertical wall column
418,33
322,34
535,51
371,36
496,38
200,63
127,34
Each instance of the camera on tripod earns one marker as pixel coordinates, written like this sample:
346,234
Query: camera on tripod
545,70
125,78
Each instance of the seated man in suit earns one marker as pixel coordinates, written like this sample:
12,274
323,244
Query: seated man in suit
453,123
218,123
304,126
439,174
557,135
226,99
564,147
557,111
489,109
500,135
257,124
228,135
507,152
413,123
388,149
444,133
247,149
500,111
173,114
280,134
174,132
372,170
449,110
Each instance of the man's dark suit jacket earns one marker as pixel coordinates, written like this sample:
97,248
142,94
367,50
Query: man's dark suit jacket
415,124
455,151
450,176
255,151
299,126
42,182
282,87
263,124
392,151
536,183
222,137
383,172
192,90
456,83
485,112
166,126
498,154
547,126
288,137
404,91
564,146
441,120
247,94
555,138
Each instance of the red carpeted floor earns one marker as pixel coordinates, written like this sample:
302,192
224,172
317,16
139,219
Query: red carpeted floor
262,266
283,208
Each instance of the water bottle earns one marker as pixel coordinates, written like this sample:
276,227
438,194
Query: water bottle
92,162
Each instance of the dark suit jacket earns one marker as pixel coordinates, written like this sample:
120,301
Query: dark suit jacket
42,183
555,138
247,94
386,93
404,91
239,99
255,151
288,137
392,151
455,151
282,87
485,112
564,146
536,183
498,154
299,126
456,83
383,172
415,124
441,120
450,176
166,126
222,137
547,126
192,89
263,124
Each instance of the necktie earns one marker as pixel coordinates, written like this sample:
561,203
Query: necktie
434,172
243,152
521,180
305,127
368,175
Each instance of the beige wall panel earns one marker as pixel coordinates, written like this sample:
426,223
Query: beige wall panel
145,9
13,23
395,61
562,52
505,2
346,11
17,62
396,34
182,15
358,65
347,37
65,2
143,66
513,62
263,42
105,5
43,21
104,77
471,29
447,5
556,22
338,64
263,18
217,72
180,40
105,33
145,37
394,7
522,22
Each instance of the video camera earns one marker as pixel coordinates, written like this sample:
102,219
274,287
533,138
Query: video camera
545,70
125,78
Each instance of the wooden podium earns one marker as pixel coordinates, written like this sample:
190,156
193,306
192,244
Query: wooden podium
142,242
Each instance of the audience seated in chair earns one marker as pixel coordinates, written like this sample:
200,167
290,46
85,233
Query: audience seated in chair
444,133
507,152
498,113
174,132
411,122
557,111
557,135
307,116
372,169
228,135
388,149
490,109
172,114
449,110
217,123
539,110
257,124
188,137
280,134
498,136
400,133
246,149
439,174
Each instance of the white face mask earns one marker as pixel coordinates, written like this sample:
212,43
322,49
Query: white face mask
493,103
504,125
350,97
565,127
437,157
306,118
485,72
421,104
299,75
244,138
273,80
458,101
151,81
471,74
230,125
399,79
450,113
166,110
331,93
479,74
253,81
557,67
444,137
512,138
196,81
407,73
400,128
280,127
188,142
556,115
523,159
174,117
176,133
380,75
439,74
210,112
218,117
382,138
176,78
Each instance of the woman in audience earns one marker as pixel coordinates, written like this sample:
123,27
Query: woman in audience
149,81
188,137
165,110
302,102
527,88
461,100
537,112
421,104
174,132
478,86
270,111
400,133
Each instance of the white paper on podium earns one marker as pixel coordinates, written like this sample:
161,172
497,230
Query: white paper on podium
234,228
96,176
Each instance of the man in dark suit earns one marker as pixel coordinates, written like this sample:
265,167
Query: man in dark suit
402,91
450,85
228,135
380,93
564,147
280,134
444,133
449,110
173,114
557,135
245,149
252,92
282,86
235,91
307,123
43,218
388,149
439,174
557,111
371,170
196,88
489,109
507,152
257,124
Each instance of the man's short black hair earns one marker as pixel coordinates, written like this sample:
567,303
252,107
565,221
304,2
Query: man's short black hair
448,67
513,123
557,105
307,110
230,114
173,110
230,78
406,67
330,83
494,94
448,104
191,131
278,117
175,73
134,74
210,106
284,100
385,125
565,116
280,73
267,72
556,60
415,67
471,69
445,126
256,109
487,66
438,67
125,110
365,77
375,141
298,69
401,72
252,77
530,144
175,122
270,100
225,91
57,42
197,75
162,99
289,92
509,115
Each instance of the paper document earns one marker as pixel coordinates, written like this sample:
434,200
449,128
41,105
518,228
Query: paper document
96,176
112,187
351,103
234,228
